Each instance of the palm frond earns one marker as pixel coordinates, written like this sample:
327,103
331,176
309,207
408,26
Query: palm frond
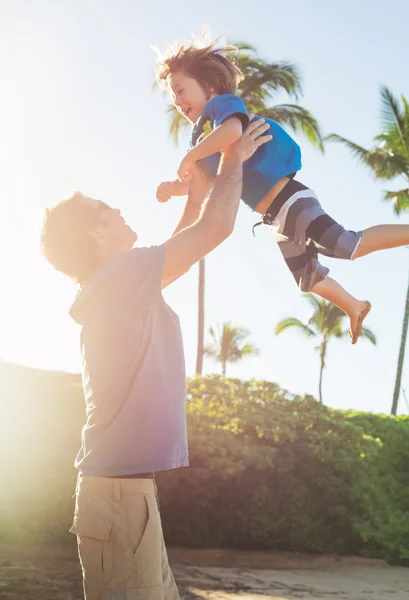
237,353
368,335
391,115
292,322
406,123
249,350
327,318
399,199
268,76
177,122
227,344
211,351
358,151
381,160
312,299
242,46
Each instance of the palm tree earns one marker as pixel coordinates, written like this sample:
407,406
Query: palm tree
262,80
227,345
200,320
325,323
398,379
389,159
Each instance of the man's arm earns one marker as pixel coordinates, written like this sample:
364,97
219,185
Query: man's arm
199,189
218,216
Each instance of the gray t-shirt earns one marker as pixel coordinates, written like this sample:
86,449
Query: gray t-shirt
133,369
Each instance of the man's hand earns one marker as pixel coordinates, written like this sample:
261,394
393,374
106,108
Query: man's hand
184,171
167,189
250,140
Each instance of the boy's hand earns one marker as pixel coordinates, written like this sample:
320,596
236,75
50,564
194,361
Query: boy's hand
167,189
184,171
164,191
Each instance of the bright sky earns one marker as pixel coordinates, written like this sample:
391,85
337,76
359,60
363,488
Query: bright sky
77,110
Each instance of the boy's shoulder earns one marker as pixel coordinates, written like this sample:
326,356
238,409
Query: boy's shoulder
221,107
222,101
216,111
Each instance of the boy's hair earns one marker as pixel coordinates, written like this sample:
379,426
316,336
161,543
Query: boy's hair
65,239
212,67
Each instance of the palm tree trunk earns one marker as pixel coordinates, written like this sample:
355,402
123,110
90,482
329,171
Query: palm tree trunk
322,355
200,320
398,381
224,368
320,385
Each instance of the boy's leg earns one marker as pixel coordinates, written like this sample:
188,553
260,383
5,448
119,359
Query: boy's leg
355,309
382,237
311,276
308,230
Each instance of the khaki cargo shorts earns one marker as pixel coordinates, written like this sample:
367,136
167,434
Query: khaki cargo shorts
120,540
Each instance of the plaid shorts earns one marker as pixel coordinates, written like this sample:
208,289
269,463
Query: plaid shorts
304,230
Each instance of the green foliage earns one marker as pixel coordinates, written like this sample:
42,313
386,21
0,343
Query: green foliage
325,323
389,157
268,469
227,345
390,534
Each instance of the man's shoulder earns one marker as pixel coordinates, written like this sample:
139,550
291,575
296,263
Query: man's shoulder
131,266
138,254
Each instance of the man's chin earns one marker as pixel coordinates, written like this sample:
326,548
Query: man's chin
133,236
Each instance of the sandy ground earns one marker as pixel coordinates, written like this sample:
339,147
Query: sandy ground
53,573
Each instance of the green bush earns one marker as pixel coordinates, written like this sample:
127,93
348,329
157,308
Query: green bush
268,469
389,530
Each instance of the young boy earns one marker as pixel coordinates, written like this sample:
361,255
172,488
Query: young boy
203,84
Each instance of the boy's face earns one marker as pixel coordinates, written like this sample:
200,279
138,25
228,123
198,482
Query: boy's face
187,95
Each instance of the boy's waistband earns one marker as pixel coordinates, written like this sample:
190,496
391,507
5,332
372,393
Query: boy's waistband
290,189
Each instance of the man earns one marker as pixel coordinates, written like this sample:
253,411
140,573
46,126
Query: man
133,371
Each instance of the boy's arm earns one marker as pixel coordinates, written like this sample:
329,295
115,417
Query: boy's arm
167,189
219,140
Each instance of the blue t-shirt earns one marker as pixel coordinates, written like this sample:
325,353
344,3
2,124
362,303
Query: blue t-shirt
277,158
133,369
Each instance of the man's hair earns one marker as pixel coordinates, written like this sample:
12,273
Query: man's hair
65,239
212,67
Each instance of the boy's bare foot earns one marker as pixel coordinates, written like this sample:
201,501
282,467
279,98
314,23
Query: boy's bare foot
357,319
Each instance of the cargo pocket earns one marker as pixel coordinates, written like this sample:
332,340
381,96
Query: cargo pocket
95,547
147,555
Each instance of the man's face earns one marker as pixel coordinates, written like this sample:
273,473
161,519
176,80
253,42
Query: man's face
187,95
111,232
